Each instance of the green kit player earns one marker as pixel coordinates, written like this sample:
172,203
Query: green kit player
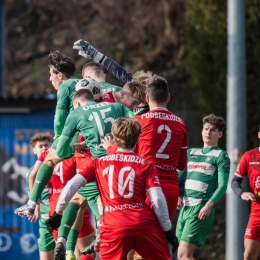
62,70
206,167
93,120
95,71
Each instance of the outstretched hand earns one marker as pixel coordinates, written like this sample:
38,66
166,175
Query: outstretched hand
88,51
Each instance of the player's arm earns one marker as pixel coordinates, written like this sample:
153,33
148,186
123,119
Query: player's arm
157,198
240,173
62,110
88,51
64,149
223,167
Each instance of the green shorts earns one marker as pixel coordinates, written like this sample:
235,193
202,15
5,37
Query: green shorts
46,241
190,228
90,192
56,141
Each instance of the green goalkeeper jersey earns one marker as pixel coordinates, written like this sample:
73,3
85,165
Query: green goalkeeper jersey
64,105
206,168
106,87
44,198
93,121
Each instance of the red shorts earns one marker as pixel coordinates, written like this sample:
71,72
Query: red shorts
151,246
171,196
87,227
253,227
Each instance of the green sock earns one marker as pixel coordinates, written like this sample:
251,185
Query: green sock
42,179
72,240
68,218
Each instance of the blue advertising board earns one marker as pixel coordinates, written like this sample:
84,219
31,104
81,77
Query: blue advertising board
18,236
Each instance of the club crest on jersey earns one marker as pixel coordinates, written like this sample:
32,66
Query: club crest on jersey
207,158
257,182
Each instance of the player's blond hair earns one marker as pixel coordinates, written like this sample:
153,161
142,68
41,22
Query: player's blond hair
126,132
216,121
93,68
136,89
40,137
142,77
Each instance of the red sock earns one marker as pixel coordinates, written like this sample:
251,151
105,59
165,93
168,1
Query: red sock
86,257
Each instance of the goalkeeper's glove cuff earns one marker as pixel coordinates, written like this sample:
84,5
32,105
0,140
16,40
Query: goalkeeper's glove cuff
99,57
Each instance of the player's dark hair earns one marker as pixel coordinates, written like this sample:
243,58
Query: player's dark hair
135,88
216,121
126,132
40,137
84,94
157,89
61,63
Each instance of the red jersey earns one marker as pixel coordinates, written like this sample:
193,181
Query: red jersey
122,179
164,142
249,165
108,97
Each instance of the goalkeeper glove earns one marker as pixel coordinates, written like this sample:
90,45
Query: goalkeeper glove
53,222
88,51
172,239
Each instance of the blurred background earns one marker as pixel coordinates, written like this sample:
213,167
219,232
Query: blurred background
183,41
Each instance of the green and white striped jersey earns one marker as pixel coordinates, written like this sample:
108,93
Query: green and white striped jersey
206,167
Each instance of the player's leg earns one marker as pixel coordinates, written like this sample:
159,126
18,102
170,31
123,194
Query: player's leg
46,243
252,249
252,237
194,232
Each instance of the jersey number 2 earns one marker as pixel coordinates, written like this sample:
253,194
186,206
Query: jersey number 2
160,153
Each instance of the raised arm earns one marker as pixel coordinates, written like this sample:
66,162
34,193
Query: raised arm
88,51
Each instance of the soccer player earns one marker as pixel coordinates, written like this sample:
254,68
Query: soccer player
163,140
46,243
123,179
95,71
93,120
88,51
206,167
62,70
249,165
131,95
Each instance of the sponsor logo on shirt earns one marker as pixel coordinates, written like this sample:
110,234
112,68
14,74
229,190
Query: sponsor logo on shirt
197,166
166,167
54,191
123,207
252,163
